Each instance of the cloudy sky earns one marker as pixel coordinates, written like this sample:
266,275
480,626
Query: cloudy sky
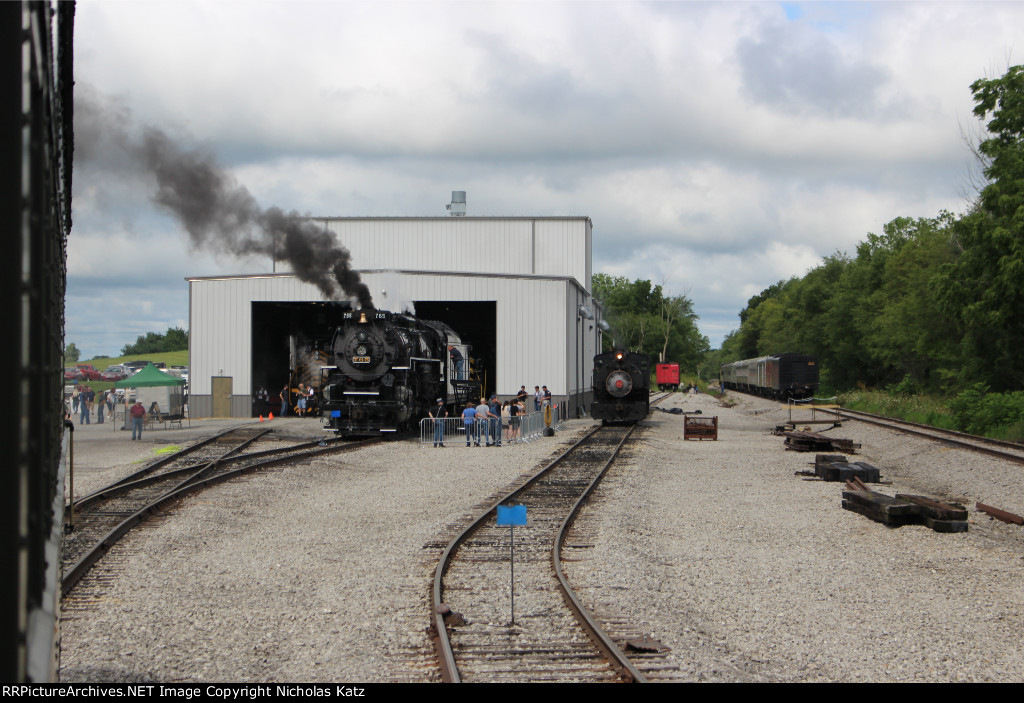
718,147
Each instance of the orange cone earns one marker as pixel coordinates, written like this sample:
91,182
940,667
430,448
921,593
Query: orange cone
261,418
271,416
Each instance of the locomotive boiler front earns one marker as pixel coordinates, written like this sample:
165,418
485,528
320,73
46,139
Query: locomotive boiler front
618,383
386,373
360,353
621,387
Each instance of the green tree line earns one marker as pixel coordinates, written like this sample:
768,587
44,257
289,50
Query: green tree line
930,304
644,319
174,339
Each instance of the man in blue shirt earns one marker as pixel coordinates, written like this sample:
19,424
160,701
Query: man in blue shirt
469,420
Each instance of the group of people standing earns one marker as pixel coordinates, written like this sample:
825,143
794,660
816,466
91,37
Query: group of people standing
306,401
84,399
489,420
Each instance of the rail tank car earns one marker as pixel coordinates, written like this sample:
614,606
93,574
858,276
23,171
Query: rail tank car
622,390
779,376
388,370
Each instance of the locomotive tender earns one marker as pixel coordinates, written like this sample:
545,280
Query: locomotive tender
388,371
779,376
622,390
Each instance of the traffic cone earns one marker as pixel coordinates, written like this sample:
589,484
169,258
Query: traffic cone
271,416
261,418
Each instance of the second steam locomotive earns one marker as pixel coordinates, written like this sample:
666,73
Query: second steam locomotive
622,386
388,370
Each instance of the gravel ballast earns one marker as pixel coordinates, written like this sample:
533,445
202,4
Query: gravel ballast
750,573
716,549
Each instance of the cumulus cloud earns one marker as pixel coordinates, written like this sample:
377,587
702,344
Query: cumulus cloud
728,141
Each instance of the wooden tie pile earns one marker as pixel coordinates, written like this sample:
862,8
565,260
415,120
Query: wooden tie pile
815,442
904,509
901,509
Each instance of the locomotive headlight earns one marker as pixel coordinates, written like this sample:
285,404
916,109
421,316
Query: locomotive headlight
361,350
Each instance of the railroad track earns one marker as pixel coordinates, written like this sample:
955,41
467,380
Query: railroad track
1011,451
100,519
553,636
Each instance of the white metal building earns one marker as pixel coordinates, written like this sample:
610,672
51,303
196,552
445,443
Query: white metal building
517,287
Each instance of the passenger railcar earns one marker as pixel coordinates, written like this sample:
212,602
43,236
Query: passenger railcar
779,376
388,370
622,386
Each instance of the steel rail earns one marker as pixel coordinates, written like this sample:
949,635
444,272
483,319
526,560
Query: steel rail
446,657
959,439
132,482
620,662
153,466
82,566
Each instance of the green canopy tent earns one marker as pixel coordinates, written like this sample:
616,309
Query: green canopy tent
153,386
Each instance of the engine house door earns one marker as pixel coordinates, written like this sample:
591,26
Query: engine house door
221,391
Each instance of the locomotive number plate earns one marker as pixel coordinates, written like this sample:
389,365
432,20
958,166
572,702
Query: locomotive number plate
360,360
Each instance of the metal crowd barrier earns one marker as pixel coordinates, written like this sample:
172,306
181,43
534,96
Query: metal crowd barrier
531,426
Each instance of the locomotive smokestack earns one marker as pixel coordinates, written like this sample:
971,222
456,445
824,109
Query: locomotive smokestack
217,212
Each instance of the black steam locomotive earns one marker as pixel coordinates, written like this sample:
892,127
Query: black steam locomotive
388,370
622,387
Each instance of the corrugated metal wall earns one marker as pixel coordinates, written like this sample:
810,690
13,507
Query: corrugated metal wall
536,332
557,246
537,270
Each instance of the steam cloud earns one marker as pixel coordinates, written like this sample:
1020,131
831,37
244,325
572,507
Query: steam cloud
217,212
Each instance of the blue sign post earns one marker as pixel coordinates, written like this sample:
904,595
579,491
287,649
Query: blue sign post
512,515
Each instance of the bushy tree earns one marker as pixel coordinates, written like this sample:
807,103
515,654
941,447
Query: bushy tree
645,320
71,354
982,289
175,339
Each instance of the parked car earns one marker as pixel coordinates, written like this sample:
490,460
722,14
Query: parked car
88,372
71,373
179,371
133,367
114,373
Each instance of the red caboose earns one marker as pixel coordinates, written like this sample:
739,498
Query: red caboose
668,377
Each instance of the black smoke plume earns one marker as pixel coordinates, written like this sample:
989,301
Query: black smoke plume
217,212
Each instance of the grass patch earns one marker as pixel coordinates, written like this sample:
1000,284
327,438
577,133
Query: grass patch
995,415
922,409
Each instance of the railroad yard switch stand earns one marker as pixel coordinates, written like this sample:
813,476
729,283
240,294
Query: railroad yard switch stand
903,509
700,427
820,414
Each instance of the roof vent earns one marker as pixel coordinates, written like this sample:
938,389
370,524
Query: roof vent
457,207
